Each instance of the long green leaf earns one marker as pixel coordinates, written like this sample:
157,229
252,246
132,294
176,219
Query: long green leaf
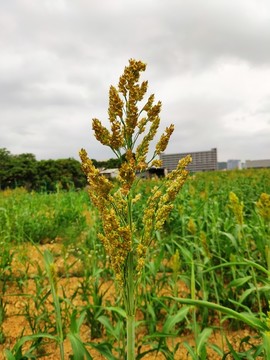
157,335
78,348
266,345
248,319
17,347
233,263
172,320
239,281
246,293
202,339
217,349
106,322
230,237
142,355
9,355
190,350
238,304
257,266
232,351
104,349
75,323
118,310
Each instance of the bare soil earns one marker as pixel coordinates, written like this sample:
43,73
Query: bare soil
28,263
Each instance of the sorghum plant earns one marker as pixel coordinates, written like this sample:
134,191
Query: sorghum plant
263,207
125,242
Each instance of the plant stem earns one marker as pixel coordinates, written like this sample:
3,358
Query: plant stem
130,337
130,307
48,258
193,292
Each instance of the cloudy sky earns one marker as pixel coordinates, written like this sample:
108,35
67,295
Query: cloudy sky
207,61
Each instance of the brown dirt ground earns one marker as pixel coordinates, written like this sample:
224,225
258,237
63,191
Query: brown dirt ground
27,260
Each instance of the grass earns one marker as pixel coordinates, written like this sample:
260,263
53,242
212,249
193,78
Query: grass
204,262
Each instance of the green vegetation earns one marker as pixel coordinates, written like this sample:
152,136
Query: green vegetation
24,170
208,272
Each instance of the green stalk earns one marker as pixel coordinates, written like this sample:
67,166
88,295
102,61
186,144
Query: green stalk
266,345
48,258
130,337
193,293
130,307
129,292
253,276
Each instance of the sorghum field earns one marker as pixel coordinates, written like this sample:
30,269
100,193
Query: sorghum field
204,292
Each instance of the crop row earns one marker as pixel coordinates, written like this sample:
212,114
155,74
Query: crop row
207,272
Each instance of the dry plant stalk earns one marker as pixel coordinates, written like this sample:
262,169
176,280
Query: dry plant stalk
125,246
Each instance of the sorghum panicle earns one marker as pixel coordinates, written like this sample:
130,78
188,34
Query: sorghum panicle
237,208
263,206
128,124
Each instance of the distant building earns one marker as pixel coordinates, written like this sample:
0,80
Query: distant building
110,173
258,163
222,165
234,164
201,160
152,173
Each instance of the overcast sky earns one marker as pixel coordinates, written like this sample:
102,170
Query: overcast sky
207,61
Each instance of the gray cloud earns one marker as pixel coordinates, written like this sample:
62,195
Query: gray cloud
207,61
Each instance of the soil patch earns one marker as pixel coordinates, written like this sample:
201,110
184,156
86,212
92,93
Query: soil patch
28,284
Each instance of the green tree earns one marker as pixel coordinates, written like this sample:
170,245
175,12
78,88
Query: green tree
107,164
5,164
65,173
16,170
24,170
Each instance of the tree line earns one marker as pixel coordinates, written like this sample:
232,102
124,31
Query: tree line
24,170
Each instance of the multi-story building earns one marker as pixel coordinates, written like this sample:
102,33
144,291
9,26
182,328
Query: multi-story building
258,163
201,160
234,164
222,165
